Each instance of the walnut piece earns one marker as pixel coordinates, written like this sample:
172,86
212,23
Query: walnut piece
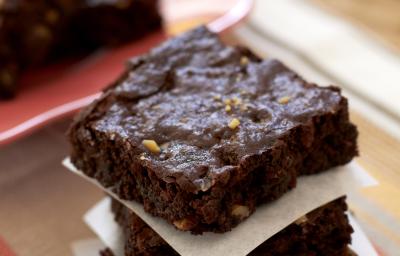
234,123
284,100
240,211
301,220
152,146
183,224
244,60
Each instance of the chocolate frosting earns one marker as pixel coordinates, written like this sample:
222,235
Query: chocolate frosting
177,95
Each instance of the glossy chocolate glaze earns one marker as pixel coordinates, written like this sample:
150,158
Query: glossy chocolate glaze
177,95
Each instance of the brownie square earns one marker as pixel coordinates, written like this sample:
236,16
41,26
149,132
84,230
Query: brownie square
34,33
201,133
323,231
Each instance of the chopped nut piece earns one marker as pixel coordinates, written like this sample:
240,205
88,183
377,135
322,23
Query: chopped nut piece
183,224
151,145
156,107
236,101
205,184
228,108
284,100
42,32
227,101
244,61
52,16
217,97
243,92
240,211
301,220
234,123
5,77
142,157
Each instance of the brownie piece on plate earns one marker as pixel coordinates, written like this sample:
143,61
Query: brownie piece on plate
36,32
323,231
112,22
201,133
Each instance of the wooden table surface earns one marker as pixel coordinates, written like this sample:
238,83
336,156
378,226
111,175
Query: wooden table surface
41,204
380,17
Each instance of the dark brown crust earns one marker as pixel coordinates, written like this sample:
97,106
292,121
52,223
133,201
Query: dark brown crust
238,169
324,231
106,252
34,33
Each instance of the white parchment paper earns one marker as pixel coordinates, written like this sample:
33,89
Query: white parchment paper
100,219
311,192
92,246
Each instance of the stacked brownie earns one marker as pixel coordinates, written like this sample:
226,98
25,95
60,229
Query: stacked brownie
324,231
36,32
201,133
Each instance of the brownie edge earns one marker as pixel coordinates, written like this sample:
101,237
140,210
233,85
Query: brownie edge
323,231
230,131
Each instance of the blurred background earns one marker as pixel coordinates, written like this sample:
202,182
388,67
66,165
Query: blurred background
351,43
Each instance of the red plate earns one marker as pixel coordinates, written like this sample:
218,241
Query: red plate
57,91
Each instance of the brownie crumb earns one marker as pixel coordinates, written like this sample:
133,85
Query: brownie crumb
234,123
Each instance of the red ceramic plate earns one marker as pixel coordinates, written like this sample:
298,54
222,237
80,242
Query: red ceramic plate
57,91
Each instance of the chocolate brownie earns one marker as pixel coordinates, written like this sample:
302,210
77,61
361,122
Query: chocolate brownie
200,132
34,32
324,231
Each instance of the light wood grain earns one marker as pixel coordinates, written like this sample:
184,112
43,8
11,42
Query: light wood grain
380,17
380,155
